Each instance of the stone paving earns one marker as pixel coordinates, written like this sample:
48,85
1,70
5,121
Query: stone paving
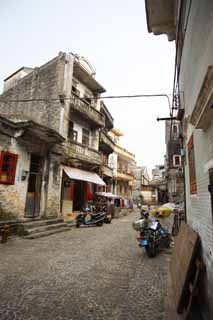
86,273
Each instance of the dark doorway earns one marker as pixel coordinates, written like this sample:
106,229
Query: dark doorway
211,187
79,195
32,209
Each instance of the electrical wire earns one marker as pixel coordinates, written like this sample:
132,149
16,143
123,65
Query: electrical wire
177,71
74,98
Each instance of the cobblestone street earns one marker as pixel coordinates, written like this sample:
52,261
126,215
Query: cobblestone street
85,273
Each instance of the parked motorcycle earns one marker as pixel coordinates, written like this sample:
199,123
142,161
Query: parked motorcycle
89,218
108,216
153,237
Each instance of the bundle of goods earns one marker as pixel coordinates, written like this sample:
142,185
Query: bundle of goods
140,225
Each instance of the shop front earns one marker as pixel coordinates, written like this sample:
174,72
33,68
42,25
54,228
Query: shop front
78,188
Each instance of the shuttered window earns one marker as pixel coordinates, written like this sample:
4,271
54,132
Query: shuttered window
85,137
8,162
192,172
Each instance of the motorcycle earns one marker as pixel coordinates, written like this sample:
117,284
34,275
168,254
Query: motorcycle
89,218
153,237
108,216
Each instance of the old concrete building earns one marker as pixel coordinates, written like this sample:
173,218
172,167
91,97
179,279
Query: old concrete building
190,23
62,96
158,172
106,147
122,161
173,162
25,173
141,179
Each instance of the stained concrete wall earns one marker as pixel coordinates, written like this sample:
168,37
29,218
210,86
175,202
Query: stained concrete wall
197,56
46,82
53,188
13,197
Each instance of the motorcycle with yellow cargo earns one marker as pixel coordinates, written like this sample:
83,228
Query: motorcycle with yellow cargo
152,236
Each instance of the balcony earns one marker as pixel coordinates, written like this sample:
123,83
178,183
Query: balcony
106,143
123,153
75,150
109,121
124,176
86,111
160,17
107,171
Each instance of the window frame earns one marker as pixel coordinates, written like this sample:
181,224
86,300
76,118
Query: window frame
179,157
87,142
175,133
11,171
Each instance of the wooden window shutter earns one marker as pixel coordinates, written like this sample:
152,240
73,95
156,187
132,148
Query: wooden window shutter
12,168
72,186
1,162
192,172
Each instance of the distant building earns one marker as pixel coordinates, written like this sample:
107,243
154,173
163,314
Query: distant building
173,159
122,161
141,179
158,172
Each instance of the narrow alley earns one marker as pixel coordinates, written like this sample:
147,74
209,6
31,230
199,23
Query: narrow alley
85,273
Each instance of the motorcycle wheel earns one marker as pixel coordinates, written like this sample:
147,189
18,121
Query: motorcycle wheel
151,250
168,241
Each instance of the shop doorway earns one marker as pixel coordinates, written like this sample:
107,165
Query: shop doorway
32,208
79,195
211,188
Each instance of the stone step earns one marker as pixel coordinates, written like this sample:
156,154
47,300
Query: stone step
45,228
46,233
41,222
71,223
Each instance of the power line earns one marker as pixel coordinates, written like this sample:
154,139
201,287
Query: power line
155,95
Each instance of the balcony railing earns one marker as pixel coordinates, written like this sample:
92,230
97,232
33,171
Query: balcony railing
106,142
107,171
124,176
79,151
87,111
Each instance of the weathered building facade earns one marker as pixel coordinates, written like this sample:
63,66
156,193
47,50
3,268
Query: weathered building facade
173,162
190,24
25,172
106,147
141,179
122,161
63,97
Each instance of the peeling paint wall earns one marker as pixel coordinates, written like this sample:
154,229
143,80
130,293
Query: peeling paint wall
45,82
54,187
13,197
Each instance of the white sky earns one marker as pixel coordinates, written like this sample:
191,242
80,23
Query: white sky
113,35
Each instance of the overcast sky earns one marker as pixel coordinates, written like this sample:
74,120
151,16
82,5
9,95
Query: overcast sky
113,36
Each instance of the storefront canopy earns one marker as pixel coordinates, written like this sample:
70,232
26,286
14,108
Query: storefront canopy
77,174
108,195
